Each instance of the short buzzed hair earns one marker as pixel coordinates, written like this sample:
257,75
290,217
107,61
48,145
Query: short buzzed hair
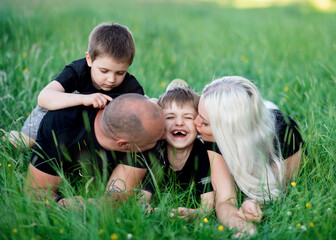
123,116
112,40
180,96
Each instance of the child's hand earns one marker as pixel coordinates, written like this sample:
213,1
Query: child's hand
185,213
97,100
250,210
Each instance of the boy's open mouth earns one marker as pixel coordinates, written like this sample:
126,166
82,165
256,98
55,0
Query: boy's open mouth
179,133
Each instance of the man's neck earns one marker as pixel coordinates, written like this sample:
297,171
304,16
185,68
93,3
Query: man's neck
178,157
103,139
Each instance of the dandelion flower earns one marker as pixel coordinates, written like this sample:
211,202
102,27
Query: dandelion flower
61,231
163,84
311,224
129,236
0,164
260,71
114,236
25,70
220,228
24,54
243,59
284,99
205,220
286,89
15,230
309,135
47,201
9,165
308,205
298,225
293,184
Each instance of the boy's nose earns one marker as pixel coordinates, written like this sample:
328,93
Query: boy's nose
111,79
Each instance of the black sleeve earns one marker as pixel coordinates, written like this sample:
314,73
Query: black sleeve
288,133
68,78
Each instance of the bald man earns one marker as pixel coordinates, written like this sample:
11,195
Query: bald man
83,141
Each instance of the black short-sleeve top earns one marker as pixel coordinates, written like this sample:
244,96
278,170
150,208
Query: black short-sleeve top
196,171
66,139
287,131
77,77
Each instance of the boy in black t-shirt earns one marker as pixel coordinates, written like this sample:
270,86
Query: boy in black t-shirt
182,157
99,77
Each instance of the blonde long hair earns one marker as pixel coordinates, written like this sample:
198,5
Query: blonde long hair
245,133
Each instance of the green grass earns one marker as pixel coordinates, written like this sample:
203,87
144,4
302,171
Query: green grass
288,52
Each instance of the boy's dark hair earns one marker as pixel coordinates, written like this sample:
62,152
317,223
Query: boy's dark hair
113,40
180,96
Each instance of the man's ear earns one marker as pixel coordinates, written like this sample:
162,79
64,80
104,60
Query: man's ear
88,59
123,144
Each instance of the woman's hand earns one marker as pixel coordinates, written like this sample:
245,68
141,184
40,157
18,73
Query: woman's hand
250,211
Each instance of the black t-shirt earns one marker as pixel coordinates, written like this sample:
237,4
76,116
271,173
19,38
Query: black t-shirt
195,171
77,77
66,139
287,131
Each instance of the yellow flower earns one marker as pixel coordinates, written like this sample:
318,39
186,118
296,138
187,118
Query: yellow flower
309,135
101,231
286,89
24,54
311,224
293,184
284,99
0,164
28,113
308,205
114,236
220,228
244,59
260,71
298,225
15,230
47,201
25,70
61,231
205,220
163,84
9,165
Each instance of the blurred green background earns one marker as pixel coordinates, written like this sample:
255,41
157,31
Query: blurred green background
286,47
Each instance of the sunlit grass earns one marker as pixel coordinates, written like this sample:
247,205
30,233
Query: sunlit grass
288,52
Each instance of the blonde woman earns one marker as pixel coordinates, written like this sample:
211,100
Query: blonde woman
261,148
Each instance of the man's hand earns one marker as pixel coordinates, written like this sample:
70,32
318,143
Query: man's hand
74,203
97,100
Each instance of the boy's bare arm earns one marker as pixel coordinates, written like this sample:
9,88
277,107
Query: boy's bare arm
54,97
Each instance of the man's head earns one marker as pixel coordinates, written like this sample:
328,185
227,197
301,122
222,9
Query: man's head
179,106
134,122
111,51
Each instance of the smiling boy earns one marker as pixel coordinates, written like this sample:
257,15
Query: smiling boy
183,158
